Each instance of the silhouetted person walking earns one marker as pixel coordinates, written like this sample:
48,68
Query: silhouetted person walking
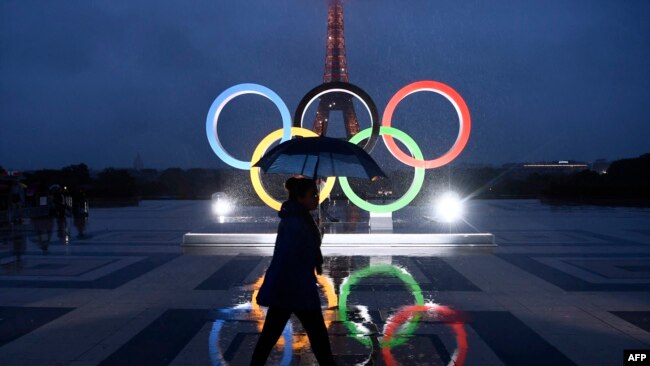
290,282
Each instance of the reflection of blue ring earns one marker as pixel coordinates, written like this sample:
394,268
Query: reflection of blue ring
222,100
213,345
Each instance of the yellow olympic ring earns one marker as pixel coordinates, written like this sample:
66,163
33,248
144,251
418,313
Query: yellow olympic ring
261,148
299,341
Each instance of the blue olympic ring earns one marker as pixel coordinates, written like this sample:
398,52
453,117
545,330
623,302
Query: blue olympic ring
217,106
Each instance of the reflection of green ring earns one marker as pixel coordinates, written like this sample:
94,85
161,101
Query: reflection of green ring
357,276
418,178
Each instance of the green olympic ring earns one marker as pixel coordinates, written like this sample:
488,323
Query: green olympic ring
416,184
357,276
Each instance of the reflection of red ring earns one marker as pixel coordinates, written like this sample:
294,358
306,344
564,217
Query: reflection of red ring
463,120
406,313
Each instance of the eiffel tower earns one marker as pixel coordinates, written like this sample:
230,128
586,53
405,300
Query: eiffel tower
336,69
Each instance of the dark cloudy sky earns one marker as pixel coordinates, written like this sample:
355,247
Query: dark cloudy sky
100,81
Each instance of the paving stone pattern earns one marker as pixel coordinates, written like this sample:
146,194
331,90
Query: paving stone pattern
565,286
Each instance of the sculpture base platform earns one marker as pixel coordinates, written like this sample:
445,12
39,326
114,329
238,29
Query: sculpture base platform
410,229
344,244
342,240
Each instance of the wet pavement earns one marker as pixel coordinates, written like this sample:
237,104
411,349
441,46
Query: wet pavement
566,285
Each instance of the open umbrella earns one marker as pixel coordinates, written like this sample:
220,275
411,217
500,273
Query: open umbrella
320,157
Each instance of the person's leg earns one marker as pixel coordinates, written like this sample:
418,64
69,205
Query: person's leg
274,324
314,324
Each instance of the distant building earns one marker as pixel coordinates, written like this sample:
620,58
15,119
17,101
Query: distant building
524,170
562,165
137,163
600,166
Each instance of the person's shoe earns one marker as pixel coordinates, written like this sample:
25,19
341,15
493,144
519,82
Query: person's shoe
333,219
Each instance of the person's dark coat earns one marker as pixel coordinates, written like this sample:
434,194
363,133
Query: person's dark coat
290,281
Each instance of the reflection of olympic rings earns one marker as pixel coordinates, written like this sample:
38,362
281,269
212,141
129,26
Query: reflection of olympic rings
341,87
216,355
327,286
388,135
407,312
416,185
383,269
255,171
223,99
463,120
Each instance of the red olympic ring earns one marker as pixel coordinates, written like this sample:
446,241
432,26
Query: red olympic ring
463,116
405,313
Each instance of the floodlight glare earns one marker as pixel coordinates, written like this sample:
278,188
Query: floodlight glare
221,207
449,208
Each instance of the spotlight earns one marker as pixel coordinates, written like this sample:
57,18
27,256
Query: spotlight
449,208
221,205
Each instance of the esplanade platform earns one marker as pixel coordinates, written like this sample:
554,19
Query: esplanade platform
566,285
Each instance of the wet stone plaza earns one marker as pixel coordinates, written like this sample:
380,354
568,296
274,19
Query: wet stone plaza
564,285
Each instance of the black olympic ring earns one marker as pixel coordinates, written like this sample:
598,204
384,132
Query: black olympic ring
339,86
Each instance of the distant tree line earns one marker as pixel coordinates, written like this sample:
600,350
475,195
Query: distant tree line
625,182
110,186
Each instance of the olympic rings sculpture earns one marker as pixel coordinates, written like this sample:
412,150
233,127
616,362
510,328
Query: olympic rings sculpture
289,129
